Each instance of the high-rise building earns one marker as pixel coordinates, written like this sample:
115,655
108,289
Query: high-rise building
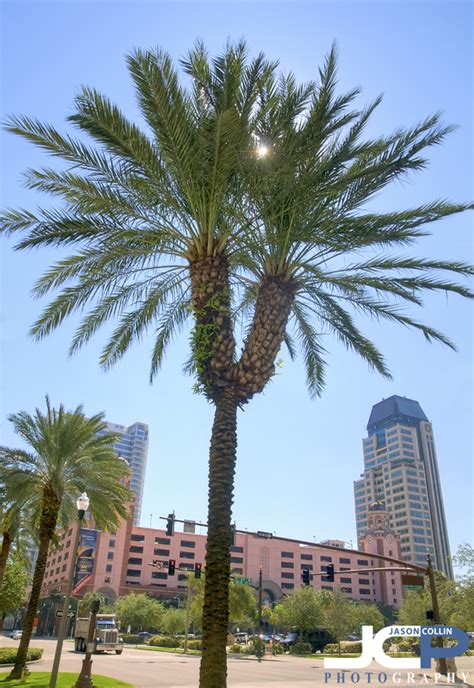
401,470
132,445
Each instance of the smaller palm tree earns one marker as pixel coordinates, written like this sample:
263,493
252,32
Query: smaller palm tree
69,456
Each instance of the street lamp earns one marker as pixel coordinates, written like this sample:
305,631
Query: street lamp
82,505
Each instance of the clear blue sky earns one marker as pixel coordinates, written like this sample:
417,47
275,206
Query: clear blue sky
296,459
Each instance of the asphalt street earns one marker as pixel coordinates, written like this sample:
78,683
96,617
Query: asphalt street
149,669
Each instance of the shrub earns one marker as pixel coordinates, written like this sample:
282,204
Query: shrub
164,641
8,654
132,639
354,648
192,644
236,647
277,649
301,648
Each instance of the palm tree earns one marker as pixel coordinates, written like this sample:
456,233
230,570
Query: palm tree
11,520
67,457
243,199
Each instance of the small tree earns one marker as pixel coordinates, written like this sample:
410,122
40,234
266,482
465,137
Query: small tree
242,602
365,614
302,608
338,612
174,621
13,592
84,604
139,611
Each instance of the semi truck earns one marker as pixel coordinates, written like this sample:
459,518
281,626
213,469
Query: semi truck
106,634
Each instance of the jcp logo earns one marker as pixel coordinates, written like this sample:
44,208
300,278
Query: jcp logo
372,647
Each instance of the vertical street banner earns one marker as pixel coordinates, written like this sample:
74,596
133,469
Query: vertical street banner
85,558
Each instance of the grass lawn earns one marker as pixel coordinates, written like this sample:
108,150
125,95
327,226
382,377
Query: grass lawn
40,679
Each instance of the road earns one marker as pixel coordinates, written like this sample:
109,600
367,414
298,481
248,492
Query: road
148,669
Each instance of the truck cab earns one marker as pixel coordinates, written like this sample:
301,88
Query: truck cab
106,635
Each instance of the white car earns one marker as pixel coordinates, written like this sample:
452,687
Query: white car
16,635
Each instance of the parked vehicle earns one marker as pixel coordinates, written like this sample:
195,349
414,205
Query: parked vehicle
241,638
106,635
145,635
16,635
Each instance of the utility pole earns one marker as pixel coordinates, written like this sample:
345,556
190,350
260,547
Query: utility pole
188,604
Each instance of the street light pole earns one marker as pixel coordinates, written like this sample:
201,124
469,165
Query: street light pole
260,620
82,506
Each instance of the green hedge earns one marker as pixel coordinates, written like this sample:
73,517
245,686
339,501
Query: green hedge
133,639
8,654
346,648
164,641
192,644
301,648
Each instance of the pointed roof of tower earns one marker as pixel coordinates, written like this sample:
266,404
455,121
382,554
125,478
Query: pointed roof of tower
395,407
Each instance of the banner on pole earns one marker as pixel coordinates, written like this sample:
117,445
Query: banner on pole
85,558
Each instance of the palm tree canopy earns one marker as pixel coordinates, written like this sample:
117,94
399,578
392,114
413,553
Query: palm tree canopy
245,179
67,457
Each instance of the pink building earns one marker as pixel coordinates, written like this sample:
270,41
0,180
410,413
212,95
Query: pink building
123,561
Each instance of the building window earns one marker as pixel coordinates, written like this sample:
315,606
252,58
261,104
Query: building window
236,560
345,580
135,560
186,555
137,538
307,557
348,590
287,586
324,558
136,549
307,566
159,574
287,565
188,543
364,581
364,591
111,543
182,577
238,550
286,574
343,560
134,573
110,555
288,555
238,571
161,552
108,568
162,541
362,562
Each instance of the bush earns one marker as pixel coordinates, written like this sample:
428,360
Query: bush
192,644
301,648
132,639
236,647
164,641
277,649
8,655
354,648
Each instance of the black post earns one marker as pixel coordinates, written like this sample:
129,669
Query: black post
85,677
260,619
442,667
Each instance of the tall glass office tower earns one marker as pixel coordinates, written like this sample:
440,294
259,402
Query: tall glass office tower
401,470
132,445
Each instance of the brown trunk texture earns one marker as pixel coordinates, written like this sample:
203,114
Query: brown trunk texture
213,338
257,363
4,552
213,672
49,517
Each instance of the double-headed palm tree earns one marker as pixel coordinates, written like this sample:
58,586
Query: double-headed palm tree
67,457
244,198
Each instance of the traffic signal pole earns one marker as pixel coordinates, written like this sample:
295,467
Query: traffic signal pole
260,618
442,667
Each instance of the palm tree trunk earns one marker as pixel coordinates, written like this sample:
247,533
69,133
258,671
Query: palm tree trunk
49,517
4,552
213,672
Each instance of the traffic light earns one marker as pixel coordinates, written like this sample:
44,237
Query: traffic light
430,615
171,567
232,535
170,525
306,577
329,578
197,570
